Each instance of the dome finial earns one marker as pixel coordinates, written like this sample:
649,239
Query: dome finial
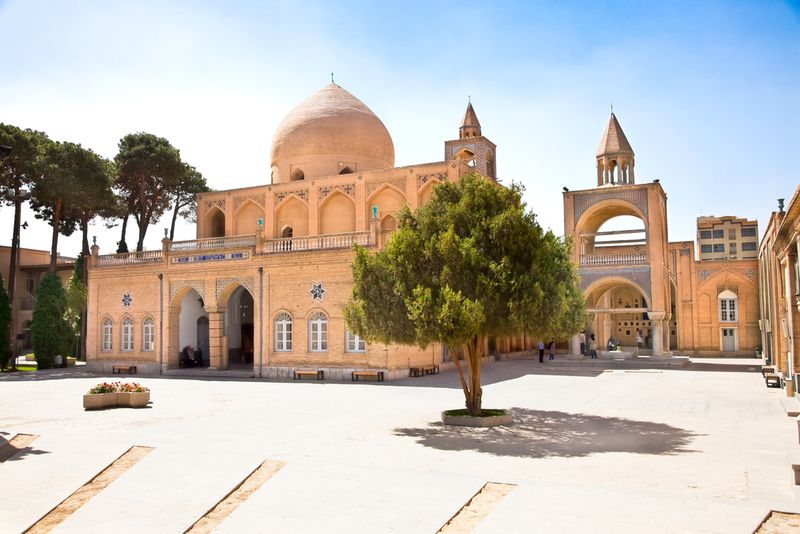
332,78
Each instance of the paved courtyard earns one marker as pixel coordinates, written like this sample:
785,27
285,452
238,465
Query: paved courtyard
702,449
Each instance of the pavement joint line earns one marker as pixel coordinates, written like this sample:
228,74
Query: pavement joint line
15,445
234,498
477,508
91,488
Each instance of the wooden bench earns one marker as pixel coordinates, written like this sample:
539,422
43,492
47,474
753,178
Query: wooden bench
767,369
424,370
773,380
377,375
315,375
129,369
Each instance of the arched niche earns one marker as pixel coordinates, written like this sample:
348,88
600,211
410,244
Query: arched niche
247,216
387,199
426,193
605,216
337,214
292,212
216,223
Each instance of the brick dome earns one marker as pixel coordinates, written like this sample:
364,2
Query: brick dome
331,132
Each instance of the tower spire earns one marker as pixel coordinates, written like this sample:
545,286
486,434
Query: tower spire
470,126
615,158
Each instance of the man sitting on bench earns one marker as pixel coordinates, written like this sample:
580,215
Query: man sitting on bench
198,358
187,357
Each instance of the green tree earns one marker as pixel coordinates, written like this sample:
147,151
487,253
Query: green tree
95,196
149,168
17,171
184,196
76,294
5,326
470,264
50,330
67,176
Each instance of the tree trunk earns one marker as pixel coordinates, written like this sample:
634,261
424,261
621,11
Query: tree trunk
12,270
85,232
124,230
471,384
142,231
174,218
54,244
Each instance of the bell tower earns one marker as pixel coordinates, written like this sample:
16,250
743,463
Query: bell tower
614,156
472,147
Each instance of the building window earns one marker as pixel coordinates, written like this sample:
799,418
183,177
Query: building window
727,307
705,234
720,247
283,332
318,332
719,233
705,249
732,248
353,343
108,333
749,231
127,334
749,246
148,334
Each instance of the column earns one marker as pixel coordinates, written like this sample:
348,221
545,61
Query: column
575,346
657,321
217,344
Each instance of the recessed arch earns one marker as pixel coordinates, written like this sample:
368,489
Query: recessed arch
387,198
215,222
246,218
346,170
426,193
596,290
291,211
337,214
297,175
594,216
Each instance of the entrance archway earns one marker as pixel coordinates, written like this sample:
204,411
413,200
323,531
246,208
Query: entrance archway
239,327
187,312
619,309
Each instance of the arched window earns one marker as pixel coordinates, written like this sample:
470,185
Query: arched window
298,175
287,232
346,170
148,334
283,332
127,334
318,332
353,343
728,309
108,334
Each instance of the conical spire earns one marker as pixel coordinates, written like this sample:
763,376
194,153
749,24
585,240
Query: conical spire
470,126
614,141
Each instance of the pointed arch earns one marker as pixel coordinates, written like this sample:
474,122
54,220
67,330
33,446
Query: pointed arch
291,211
426,192
388,199
337,214
246,217
215,222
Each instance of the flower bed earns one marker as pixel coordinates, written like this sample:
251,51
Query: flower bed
116,394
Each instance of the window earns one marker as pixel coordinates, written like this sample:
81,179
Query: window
108,332
148,334
318,332
749,246
705,249
283,332
732,248
127,334
353,343
298,175
727,306
719,233
719,247
705,234
749,231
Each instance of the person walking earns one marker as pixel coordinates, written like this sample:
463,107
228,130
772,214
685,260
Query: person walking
540,346
552,350
583,342
592,347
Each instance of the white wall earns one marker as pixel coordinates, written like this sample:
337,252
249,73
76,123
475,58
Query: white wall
190,312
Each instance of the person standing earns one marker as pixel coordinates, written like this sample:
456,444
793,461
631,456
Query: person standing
639,339
540,346
592,347
552,350
583,342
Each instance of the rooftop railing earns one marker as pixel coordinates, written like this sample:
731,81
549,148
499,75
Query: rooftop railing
131,258
600,260
213,243
317,242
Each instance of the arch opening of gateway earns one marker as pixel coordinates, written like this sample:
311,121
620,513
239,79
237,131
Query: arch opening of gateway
620,309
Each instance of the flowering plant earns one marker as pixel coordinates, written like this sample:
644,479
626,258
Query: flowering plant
103,387
117,387
133,387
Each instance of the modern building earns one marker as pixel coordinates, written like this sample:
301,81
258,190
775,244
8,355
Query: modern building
263,285
779,280
727,238
32,265
636,282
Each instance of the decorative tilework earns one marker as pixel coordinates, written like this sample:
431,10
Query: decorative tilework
347,189
258,198
176,285
422,179
637,197
300,193
245,281
399,183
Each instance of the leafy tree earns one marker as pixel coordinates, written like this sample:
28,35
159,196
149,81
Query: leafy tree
149,168
5,325
17,171
184,196
95,196
76,294
67,175
50,330
471,263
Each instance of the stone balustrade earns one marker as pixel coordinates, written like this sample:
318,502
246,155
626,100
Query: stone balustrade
600,260
317,242
213,243
131,258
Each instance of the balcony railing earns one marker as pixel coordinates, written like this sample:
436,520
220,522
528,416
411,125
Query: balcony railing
317,242
600,260
28,301
130,258
213,243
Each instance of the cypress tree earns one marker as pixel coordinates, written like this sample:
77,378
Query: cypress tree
51,332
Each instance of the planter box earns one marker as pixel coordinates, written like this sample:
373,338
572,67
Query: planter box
138,399
469,420
98,401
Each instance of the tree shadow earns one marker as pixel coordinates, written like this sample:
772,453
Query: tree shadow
542,434
11,453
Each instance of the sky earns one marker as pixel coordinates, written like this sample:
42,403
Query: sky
708,93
